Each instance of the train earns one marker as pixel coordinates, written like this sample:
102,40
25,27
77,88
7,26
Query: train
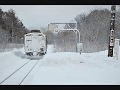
35,43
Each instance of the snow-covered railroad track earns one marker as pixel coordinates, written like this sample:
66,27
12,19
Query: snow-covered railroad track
17,77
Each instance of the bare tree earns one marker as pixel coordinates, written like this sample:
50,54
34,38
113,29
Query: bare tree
94,29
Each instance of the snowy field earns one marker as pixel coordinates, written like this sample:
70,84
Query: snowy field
63,68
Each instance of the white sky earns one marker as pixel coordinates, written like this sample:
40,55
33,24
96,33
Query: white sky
36,16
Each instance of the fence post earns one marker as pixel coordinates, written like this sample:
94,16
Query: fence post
116,49
79,47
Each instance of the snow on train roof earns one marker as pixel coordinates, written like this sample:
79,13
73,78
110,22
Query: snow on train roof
33,32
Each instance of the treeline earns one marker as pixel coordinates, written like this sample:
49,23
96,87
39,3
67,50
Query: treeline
94,32
12,29
95,29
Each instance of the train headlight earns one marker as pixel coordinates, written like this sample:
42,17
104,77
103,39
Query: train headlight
41,49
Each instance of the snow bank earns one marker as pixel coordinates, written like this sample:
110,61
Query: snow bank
61,58
66,68
71,68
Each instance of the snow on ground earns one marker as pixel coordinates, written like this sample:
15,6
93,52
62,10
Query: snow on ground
65,68
10,61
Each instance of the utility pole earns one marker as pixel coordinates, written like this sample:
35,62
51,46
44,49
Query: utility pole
112,26
12,31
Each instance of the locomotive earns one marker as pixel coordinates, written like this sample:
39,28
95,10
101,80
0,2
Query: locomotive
35,43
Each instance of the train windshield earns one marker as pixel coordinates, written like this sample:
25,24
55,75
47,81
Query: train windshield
38,31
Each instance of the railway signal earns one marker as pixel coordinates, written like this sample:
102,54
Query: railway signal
55,27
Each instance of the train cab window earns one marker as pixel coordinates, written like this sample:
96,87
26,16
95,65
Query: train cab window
38,31
28,40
